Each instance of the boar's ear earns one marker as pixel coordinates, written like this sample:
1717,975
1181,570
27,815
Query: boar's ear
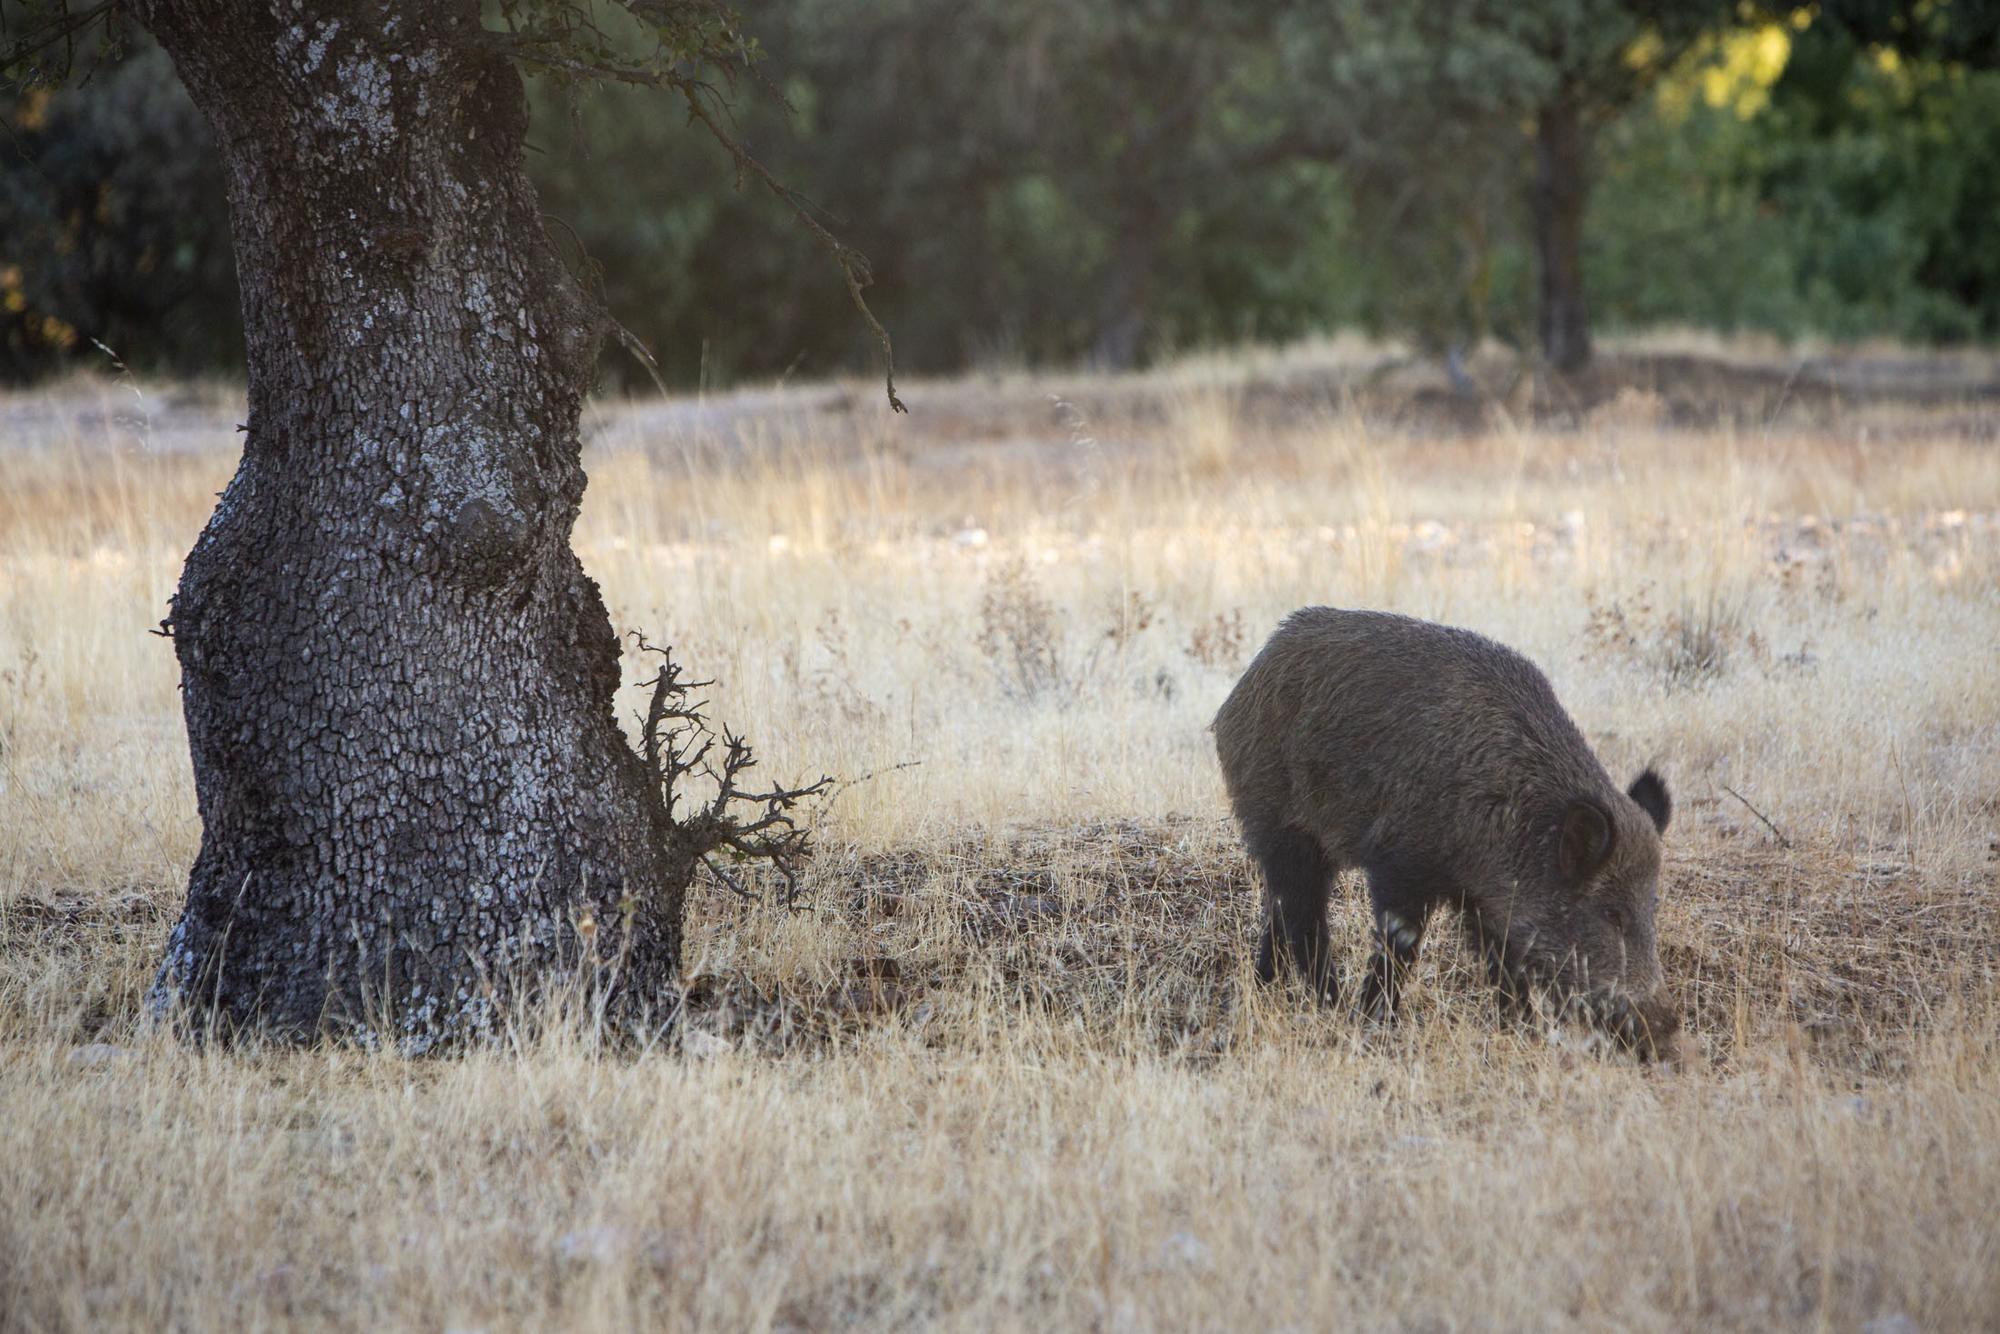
1651,794
1586,840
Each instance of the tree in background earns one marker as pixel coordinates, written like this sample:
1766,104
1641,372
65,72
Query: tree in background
1417,110
889,117
1598,58
1355,163
1422,104
1131,109
1042,182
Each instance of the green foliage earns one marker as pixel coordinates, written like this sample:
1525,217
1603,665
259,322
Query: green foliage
1889,172
1859,202
1059,180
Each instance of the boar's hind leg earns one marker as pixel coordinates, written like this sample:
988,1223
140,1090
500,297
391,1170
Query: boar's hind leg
1298,877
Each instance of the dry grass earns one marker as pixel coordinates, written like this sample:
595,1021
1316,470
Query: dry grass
1008,1071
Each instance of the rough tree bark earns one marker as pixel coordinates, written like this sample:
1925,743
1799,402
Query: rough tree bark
1560,192
396,676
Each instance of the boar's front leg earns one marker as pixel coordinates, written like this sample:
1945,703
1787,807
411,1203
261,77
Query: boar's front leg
1397,937
1401,903
1297,878
1512,978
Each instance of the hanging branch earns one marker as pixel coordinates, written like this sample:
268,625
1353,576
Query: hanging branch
853,264
562,39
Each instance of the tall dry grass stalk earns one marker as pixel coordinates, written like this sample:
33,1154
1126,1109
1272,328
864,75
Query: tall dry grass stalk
1009,1072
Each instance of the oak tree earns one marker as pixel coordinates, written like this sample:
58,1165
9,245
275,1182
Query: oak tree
397,678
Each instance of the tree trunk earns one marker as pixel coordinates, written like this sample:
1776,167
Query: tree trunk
1561,191
1125,304
396,677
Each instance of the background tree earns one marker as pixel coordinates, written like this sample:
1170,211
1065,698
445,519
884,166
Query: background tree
1424,104
1133,112
1417,108
1050,181
1356,164
1597,58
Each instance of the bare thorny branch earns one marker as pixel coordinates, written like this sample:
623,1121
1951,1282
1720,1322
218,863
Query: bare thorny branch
738,822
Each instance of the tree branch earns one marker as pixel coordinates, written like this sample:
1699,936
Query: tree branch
544,54
59,32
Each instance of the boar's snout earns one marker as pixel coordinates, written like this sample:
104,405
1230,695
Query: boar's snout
1651,1027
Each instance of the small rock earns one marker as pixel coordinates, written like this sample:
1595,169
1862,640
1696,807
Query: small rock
598,1245
1430,535
98,1055
1184,1250
1893,1323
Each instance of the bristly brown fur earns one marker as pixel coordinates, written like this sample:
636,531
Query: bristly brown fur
1440,764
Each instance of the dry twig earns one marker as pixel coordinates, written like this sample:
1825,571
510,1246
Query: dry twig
1782,840
745,824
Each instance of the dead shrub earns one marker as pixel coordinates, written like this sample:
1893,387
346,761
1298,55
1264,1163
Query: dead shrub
1689,645
1021,636
1219,641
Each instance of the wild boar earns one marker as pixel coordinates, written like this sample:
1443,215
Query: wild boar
1439,763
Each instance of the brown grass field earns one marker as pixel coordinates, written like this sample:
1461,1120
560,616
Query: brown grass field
1006,1068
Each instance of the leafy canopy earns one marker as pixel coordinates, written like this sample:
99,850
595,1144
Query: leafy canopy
694,50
